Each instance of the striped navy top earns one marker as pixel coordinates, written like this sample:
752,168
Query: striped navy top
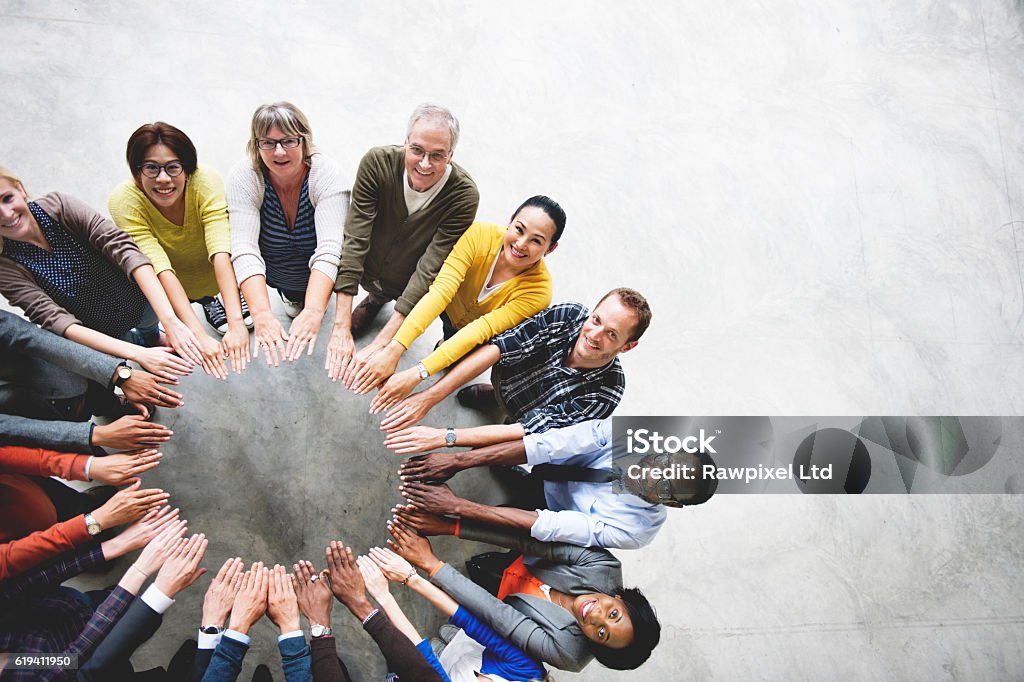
79,279
287,252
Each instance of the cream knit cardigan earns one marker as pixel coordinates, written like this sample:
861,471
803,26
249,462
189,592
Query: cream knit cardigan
329,192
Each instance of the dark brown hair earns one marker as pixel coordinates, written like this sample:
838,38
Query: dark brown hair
160,133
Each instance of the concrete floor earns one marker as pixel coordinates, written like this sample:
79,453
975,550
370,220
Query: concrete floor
821,201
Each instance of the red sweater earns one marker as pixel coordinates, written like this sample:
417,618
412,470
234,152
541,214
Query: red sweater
25,510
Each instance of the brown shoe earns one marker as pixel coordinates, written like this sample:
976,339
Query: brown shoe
478,397
364,313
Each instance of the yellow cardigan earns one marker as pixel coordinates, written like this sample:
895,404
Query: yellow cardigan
185,249
456,288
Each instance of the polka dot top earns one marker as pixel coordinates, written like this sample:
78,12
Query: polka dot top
80,279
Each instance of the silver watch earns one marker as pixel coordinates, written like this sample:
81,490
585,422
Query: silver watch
424,374
316,631
449,437
92,526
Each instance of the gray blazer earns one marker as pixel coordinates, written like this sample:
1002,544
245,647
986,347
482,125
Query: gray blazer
542,629
46,366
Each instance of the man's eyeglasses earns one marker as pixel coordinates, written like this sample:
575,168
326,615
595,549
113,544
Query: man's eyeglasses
419,152
152,170
267,144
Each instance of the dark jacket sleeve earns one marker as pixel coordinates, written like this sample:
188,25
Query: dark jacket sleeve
226,662
401,654
296,660
327,667
136,626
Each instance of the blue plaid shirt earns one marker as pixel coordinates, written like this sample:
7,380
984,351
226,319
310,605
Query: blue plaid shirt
39,617
537,388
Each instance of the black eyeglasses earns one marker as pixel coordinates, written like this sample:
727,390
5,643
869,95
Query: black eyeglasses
267,144
152,170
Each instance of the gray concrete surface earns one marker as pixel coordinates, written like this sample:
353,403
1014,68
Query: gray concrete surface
821,201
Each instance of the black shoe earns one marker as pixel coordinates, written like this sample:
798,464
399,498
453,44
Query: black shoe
215,314
246,315
363,315
262,674
478,397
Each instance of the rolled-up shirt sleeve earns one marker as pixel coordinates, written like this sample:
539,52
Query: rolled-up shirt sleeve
554,445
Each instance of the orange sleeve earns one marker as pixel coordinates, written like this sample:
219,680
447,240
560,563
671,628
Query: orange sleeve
39,462
18,556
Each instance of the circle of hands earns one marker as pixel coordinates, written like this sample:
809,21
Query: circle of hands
238,597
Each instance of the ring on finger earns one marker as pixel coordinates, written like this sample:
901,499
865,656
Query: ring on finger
314,578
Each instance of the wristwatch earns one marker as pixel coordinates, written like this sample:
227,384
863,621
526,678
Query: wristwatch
449,437
424,374
92,525
211,629
124,373
318,631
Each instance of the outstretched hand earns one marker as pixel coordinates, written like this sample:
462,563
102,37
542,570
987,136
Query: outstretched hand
413,548
435,499
282,606
424,523
251,600
313,591
181,569
346,580
220,595
376,583
395,568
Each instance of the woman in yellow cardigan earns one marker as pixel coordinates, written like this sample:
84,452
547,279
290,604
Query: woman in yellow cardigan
175,210
493,279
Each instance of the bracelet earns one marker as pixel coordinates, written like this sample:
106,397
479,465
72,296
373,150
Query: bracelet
144,574
409,577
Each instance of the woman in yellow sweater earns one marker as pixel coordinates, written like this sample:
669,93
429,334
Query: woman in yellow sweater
176,212
493,279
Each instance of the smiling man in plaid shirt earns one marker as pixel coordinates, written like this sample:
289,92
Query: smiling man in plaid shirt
558,368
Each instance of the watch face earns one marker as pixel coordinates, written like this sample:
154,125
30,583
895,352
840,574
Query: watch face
449,438
318,630
125,373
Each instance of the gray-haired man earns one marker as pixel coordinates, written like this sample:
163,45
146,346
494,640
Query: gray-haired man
410,204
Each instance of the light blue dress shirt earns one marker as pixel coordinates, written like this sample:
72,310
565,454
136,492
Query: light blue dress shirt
588,514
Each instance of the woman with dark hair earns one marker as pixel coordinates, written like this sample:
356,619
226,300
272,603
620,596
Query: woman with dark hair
476,653
494,278
176,212
561,604
74,273
287,204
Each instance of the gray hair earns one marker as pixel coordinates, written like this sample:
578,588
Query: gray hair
286,116
436,114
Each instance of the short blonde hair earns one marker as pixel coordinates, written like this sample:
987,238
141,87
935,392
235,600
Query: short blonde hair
8,175
286,116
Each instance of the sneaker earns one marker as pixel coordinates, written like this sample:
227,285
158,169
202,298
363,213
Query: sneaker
246,315
364,313
215,315
447,632
291,308
477,397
